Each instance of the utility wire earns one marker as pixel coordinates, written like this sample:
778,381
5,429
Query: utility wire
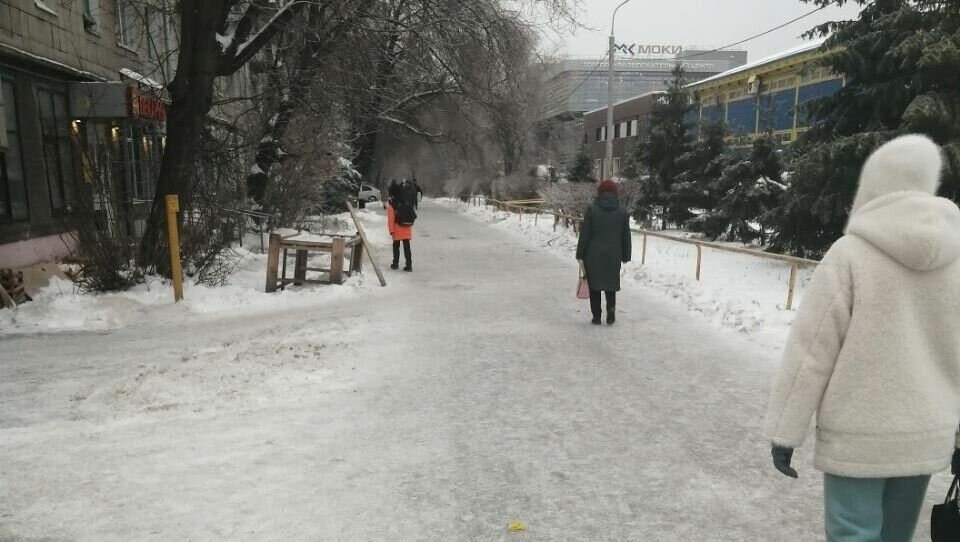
704,53
760,35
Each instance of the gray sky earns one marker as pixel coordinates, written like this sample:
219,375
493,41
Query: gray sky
701,23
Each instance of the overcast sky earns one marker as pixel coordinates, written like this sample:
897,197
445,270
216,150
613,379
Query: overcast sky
702,23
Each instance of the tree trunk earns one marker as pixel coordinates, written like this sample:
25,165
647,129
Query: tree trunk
191,97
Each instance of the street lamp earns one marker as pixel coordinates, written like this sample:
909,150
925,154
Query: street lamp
610,54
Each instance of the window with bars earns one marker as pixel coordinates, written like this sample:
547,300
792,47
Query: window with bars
13,190
142,152
58,163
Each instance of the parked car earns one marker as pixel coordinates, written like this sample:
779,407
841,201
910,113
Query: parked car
368,193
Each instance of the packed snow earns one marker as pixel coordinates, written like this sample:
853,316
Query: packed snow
61,307
736,291
467,396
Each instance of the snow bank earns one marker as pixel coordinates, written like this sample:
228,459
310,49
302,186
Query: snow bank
736,292
60,307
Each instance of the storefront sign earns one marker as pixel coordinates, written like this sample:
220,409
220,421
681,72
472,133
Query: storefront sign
145,107
635,49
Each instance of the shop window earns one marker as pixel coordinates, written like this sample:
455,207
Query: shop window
142,153
13,192
58,162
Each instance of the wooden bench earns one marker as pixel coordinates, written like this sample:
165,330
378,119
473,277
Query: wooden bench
281,249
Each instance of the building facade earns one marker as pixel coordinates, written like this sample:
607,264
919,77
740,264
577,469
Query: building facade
769,96
631,126
82,112
575,86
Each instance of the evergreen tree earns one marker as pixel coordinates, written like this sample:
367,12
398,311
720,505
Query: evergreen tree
669,140
582,169
901,59
695,191
751,188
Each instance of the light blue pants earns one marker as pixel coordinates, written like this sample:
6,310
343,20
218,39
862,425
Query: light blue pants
872,509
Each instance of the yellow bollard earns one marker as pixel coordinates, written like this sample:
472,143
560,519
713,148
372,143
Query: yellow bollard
176,273
793,285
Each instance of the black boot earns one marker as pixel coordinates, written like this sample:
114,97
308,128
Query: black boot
596,320
408,268
395,266
611,318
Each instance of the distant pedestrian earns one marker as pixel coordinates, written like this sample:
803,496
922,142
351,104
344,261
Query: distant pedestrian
409,193
605,243
400,218
875,353
419,192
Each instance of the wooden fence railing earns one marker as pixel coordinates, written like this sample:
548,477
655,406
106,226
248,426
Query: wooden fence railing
523,208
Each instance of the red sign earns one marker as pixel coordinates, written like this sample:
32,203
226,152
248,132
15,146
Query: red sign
146,107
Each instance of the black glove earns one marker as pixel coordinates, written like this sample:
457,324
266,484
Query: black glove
955,468
781,460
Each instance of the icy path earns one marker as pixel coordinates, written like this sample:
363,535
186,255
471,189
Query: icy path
469,394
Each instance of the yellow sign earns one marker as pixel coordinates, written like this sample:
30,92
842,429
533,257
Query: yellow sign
517,527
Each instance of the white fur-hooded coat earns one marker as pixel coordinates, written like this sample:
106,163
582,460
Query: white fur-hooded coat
875,347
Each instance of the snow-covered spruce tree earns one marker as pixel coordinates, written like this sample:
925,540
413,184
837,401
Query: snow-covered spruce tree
694,194
751,188
901,59
670,139
581,171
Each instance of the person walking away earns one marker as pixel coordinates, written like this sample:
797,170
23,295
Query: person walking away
605,243
875,353
409,193
419,193
400,219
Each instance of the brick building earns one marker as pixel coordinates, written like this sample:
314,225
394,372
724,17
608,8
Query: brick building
631,125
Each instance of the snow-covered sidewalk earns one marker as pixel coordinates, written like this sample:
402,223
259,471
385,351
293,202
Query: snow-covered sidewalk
467,395
736,292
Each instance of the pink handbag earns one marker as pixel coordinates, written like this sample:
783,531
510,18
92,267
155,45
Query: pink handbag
583,289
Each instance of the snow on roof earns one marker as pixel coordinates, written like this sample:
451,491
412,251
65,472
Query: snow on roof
630,99
127,72
793,51
60,65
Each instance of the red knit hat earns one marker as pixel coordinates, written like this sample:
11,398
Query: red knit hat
607,186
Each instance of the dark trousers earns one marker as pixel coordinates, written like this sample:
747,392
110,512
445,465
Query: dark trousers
595,302
406,252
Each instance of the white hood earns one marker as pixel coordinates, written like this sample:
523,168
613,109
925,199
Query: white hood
918,230
896,210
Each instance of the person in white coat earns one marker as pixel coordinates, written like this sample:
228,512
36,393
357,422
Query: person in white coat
875,351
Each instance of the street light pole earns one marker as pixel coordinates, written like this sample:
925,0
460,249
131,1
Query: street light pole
608,165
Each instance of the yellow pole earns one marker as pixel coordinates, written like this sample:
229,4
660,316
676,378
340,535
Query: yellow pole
793,286
699,259
176,273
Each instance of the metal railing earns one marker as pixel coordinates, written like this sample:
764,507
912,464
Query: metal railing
523,208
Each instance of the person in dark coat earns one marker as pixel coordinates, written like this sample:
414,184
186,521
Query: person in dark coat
408,193
419,193
605,243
